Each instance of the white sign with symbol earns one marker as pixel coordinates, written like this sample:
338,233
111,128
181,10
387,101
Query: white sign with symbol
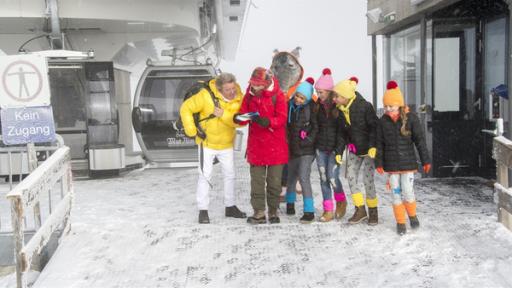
24,81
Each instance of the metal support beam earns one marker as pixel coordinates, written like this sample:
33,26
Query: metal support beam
508,118
509,77
374,71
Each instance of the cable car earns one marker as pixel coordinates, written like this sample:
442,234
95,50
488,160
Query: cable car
156,108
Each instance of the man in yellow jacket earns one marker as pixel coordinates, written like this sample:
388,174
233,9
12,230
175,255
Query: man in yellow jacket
215,138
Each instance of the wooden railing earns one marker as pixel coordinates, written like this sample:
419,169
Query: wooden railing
502,153
27,194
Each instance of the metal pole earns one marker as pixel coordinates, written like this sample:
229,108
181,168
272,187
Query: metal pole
374,71
508,118
10,170
509,78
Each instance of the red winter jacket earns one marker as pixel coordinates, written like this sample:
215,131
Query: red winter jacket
267,146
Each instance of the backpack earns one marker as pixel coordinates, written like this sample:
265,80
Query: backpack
193,90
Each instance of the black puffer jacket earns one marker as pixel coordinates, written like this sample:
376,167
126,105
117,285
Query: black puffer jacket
395,152
300,121
328,127
362,130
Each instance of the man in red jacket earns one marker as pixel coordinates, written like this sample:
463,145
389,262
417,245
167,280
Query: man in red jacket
267,147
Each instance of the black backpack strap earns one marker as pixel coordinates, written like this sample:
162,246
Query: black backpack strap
214,100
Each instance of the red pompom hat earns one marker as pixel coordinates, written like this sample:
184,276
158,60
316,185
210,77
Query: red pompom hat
393,96
261,77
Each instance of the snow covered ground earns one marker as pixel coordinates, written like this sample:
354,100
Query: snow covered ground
140,230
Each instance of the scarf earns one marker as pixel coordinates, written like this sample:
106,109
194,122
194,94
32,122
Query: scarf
346,109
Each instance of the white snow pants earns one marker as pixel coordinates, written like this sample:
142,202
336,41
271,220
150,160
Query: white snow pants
402,185
226,159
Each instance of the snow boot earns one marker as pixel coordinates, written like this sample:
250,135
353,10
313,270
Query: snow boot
234,212
327,216
273,218
203,217
400,229
410,207
373,218
290,208
415,223
359,215
341,209
257,218
307,218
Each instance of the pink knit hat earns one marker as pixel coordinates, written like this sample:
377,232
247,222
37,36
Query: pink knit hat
325,81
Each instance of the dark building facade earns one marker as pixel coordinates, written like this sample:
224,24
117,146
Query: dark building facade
450,61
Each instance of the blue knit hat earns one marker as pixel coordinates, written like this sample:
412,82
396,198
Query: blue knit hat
306,88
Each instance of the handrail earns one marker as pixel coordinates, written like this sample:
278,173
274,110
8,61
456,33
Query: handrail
27,195
502,153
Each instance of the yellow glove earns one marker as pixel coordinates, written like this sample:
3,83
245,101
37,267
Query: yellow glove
338,159
372,152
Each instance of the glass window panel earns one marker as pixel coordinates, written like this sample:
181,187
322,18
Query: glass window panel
160,101
428,86
404,64
446,78
495,59
68,98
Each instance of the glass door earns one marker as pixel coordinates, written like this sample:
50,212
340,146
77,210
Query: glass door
456,118
69,103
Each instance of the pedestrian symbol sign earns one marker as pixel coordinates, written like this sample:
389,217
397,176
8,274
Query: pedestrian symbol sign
24,81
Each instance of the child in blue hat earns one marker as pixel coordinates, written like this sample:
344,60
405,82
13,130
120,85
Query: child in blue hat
302,131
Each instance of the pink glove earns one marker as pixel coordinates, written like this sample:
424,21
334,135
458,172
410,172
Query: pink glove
303,134
351,148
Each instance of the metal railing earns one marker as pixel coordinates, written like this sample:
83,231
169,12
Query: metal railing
502,153
34,193
18,161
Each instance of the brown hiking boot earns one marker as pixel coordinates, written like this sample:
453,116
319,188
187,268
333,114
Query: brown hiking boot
273,218
359,215
373,218
341,209
257,218
327,216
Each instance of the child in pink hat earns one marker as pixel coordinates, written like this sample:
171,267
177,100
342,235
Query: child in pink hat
328,118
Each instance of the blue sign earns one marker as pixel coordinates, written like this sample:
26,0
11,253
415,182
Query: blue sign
27,125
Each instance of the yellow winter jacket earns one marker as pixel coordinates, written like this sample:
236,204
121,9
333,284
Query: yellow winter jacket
220,131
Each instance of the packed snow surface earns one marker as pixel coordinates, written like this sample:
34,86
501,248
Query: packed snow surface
141,230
